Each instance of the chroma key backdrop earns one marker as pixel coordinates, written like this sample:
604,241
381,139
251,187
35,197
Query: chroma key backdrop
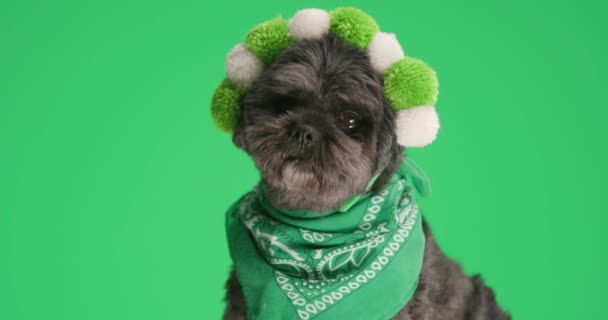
114,180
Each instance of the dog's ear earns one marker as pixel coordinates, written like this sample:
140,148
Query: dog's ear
238,135
387,137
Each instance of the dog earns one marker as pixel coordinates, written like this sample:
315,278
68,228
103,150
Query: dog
318,127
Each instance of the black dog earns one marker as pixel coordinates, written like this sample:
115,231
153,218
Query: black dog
317,127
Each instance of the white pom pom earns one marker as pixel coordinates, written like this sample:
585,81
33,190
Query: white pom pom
242,66
417,126
309,24
384,50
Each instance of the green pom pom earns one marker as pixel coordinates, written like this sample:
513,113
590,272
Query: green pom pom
225,105
353,26
410,82
268,39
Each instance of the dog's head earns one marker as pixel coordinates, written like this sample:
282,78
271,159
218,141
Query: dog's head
317,125
320,119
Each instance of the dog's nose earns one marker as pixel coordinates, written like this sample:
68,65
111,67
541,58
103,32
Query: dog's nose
302,134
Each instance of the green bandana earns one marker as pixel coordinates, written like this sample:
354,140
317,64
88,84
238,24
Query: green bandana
362,262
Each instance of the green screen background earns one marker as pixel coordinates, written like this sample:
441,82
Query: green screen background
114,181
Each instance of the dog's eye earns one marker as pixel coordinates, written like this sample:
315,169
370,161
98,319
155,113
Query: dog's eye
348,120
283,104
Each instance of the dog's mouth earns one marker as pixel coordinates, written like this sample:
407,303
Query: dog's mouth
296,159
294,162
298,162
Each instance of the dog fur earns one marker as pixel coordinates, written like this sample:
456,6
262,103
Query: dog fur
318,128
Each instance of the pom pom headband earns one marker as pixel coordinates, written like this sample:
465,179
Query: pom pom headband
410,86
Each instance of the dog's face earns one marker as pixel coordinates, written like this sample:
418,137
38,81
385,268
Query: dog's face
317,126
